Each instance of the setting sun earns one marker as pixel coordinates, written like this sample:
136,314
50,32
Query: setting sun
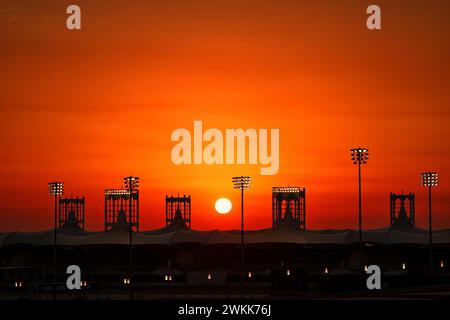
223,205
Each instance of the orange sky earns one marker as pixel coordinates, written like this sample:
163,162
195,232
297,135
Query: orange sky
92,106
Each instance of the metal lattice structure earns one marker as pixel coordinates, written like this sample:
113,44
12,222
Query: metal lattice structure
402,209
178,211
289,207
117,206
71,210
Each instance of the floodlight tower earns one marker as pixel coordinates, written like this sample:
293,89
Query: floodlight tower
71,210
360,156
178,212
402,209
116,201
430,179
132,185
289,207
242,183
55,189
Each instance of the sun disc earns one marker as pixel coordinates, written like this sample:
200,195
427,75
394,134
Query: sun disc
223,205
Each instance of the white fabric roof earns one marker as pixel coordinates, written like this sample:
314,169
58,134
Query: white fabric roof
386,236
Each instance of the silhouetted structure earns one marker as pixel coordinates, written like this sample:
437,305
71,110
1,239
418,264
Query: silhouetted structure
430,180
402,209
289,207
178,212
71,211
278,260
117,207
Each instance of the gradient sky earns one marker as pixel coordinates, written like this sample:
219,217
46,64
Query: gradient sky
92,106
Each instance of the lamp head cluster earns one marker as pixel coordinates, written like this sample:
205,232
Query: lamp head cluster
116,192
429,179
241,182
359,155
55,188
286,189
131,183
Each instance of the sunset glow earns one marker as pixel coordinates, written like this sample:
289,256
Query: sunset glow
91,107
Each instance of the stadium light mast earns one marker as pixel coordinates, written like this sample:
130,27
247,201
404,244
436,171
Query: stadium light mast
242,183
131,185
430,179
359,157
55,189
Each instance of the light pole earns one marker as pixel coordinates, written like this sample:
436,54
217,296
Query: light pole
242,183
430,179
132,185
360,156
55,189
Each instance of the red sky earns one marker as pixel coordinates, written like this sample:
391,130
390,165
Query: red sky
92,106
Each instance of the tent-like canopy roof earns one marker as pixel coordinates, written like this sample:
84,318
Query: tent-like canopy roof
288,235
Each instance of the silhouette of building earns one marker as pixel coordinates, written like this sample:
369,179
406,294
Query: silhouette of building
178,212
278,259
117,207
402,209
288,207
71,212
